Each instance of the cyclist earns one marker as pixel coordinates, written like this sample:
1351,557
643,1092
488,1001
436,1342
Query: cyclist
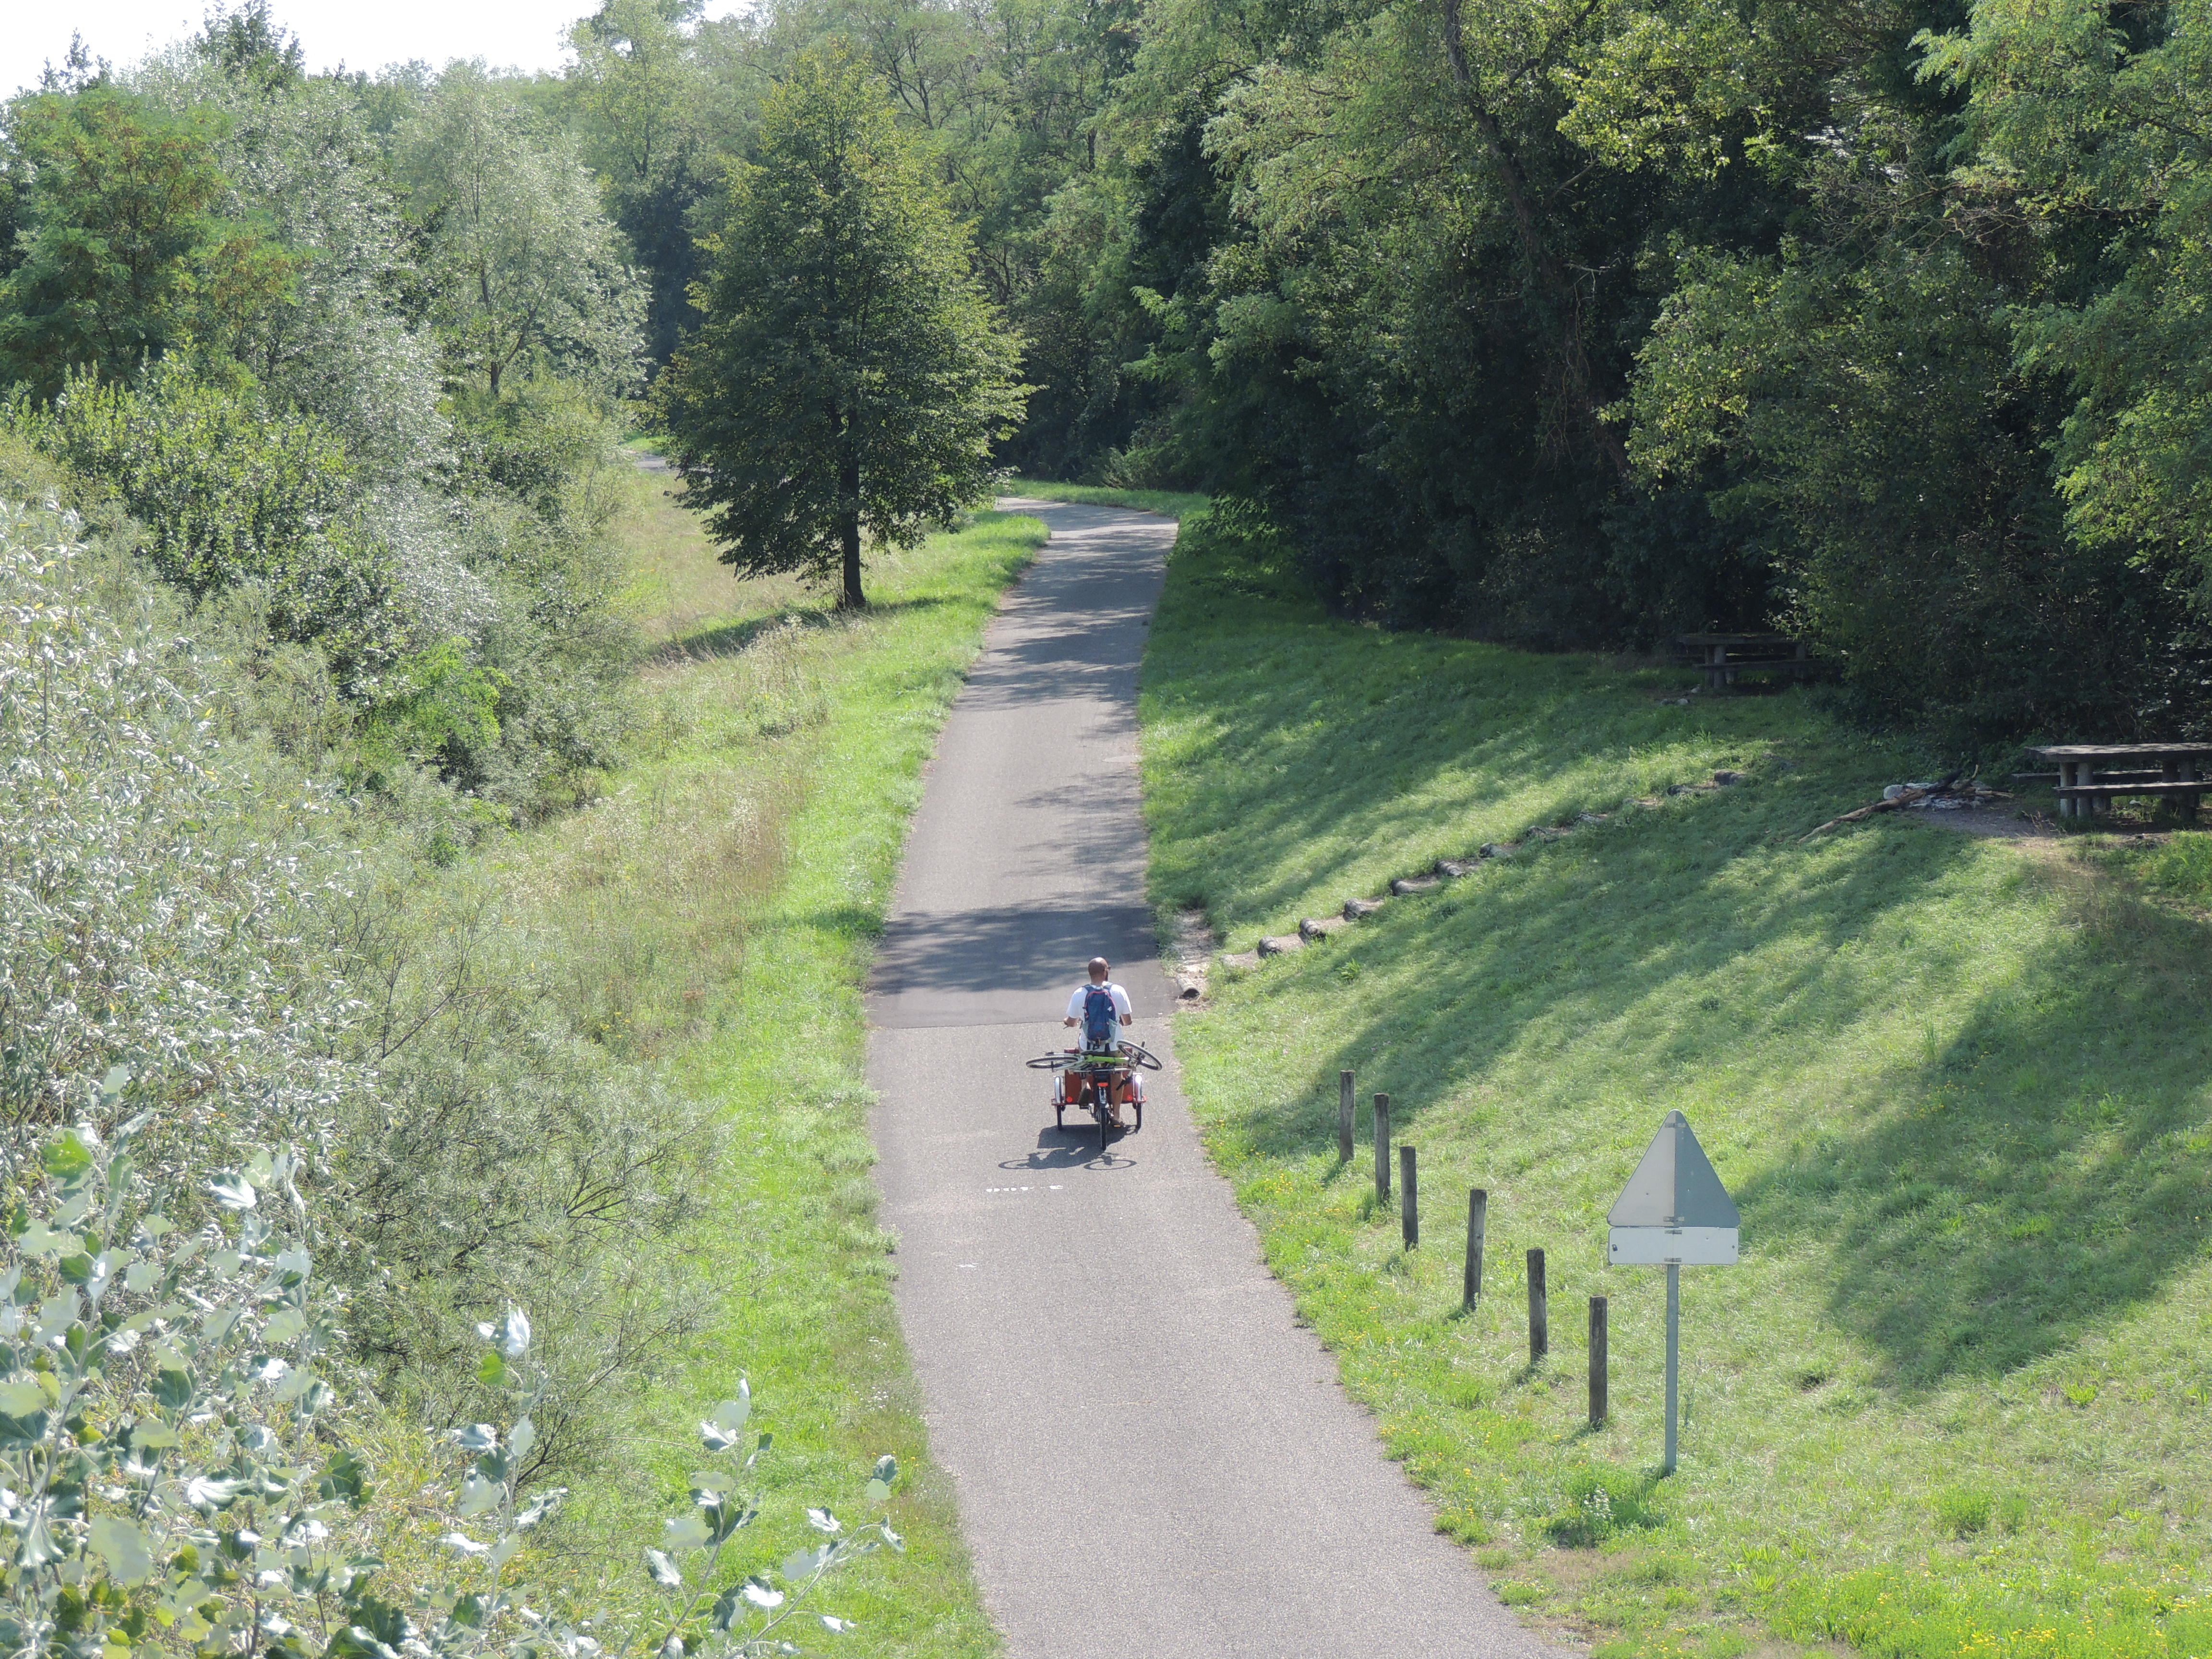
1101,1009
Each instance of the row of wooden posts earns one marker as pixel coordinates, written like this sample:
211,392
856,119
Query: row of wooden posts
1478,1208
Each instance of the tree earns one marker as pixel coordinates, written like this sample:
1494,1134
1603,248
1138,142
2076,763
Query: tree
124,254
851,375
644,109
522,259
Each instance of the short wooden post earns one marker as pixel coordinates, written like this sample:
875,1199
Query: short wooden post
1409,1197
1597,1404
1344,1117
1382,1148
1478,1208
1540,1309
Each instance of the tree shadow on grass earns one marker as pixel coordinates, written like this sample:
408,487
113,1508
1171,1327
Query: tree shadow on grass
2047,1168
1324,740
1981,1201
731,639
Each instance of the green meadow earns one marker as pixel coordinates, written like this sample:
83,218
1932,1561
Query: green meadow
1956,1399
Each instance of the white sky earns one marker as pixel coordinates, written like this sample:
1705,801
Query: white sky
523,34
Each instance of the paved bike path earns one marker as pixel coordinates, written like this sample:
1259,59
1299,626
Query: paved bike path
1150,1456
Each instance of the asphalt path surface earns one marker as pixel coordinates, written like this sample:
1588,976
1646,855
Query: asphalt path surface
1151,1458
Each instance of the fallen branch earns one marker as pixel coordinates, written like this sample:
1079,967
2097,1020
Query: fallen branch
1888,804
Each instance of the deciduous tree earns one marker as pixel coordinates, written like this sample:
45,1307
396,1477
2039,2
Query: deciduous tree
522,256
125,251
851,376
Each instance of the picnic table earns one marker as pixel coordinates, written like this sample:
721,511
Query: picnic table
2090,773
1724,656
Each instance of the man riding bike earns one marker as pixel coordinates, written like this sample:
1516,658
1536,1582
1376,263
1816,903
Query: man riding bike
1101,1009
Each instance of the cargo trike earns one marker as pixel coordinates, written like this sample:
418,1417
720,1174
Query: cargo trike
1098,1081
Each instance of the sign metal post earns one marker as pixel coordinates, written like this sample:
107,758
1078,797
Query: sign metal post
1673,1214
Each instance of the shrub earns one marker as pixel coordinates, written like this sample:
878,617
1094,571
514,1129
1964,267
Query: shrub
231,492
339,1123
175,1482
273,966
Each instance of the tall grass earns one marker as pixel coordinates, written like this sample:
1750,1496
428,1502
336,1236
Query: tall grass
1954,1398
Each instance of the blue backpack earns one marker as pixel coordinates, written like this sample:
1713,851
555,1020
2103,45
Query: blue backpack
1098,1017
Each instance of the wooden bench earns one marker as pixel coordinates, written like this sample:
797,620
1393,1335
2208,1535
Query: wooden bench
2091,773
1724,656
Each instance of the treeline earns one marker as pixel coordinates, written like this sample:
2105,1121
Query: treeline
1581,322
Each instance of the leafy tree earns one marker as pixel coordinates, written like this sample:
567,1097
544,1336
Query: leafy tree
647,113
125,251
2100,117
522,259
851,375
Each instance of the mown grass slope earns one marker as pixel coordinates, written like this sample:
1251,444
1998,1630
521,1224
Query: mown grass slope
720,905
1956,1399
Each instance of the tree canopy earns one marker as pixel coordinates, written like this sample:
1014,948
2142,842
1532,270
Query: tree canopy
124,249
850,375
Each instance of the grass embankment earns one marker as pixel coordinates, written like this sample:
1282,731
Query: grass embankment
1956,1399
1167,503
723,900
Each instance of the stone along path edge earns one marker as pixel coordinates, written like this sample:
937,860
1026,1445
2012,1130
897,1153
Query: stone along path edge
1150,1456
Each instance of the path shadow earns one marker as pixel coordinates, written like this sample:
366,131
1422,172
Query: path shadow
1075,1148
1041,947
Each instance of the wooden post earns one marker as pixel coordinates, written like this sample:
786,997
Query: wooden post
1344,1117
1382,1148
1540,1309
1597,1359
1409,1197
1477,1209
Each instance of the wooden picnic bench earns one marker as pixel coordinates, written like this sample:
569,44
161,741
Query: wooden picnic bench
1724,656
2090,773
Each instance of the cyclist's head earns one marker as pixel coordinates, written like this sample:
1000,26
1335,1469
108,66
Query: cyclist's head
1099,971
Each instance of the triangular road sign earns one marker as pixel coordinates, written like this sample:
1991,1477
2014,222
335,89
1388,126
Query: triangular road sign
1675,1185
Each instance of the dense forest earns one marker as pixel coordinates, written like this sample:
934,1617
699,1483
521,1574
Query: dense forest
1578,323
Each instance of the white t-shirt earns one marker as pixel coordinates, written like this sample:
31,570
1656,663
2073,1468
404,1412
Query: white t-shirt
1121,1012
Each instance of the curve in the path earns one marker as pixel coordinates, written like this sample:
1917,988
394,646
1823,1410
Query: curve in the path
1150,1456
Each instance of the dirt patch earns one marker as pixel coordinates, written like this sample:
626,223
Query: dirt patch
2005,824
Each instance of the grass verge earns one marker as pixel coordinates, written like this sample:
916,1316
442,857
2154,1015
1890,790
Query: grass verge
720,905
1167,503
1956,1399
